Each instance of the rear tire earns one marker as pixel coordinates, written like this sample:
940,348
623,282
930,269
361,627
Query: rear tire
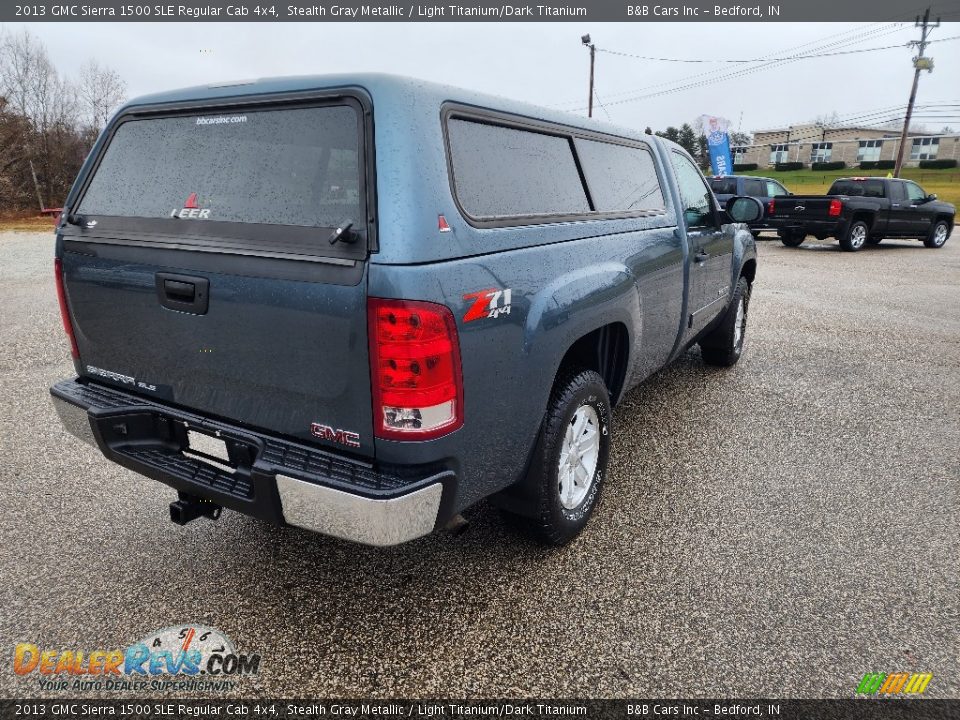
855,237
724,344
791,239
938,235
570,458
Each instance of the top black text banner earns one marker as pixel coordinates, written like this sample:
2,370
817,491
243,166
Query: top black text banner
472,11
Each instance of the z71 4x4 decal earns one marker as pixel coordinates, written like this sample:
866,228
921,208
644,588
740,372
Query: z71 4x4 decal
490,303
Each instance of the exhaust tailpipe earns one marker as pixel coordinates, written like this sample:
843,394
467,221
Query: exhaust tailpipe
457,525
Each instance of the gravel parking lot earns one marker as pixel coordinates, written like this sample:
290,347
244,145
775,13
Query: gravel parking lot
777,529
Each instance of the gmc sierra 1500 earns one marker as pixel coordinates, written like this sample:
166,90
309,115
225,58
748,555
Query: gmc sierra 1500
361,304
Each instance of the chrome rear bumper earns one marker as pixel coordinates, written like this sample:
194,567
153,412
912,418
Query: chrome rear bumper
352,517
391,506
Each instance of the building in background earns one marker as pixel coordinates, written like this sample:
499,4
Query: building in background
813,143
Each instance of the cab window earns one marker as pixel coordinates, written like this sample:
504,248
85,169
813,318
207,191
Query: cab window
724,186
694,193
914,192
754,188
504,172
775,189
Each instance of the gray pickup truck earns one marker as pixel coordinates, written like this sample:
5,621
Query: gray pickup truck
362,304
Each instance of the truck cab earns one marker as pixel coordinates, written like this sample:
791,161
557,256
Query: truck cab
763,189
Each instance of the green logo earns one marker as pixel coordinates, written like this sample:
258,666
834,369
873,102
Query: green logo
894,683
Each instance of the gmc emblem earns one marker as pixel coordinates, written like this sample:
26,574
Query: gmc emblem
342,437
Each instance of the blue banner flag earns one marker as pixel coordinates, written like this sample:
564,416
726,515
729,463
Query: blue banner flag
718,143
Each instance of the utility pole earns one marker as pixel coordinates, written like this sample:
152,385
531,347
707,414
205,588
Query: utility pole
920,62
585,39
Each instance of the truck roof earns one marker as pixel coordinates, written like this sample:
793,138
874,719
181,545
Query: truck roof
412,173
750,177
384,89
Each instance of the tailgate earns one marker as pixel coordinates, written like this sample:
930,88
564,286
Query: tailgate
199,271
801,208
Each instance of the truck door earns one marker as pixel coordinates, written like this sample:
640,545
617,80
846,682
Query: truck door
899,208
918,216
711,250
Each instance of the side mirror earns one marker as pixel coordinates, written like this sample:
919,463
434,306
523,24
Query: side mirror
931,197
692,217
743,209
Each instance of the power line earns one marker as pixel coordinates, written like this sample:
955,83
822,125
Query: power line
710,77
862,118
846,37
750,60
600,103
620,53
869,115
868,30
713,78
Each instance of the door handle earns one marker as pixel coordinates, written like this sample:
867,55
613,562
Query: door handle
701,256
180,291
183,293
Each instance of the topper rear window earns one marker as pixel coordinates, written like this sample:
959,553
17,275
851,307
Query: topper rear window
298,170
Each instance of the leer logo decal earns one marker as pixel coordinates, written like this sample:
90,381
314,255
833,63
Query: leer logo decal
489,303
191,210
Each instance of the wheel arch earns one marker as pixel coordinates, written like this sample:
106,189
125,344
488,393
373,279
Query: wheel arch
867,216
587,314
605,350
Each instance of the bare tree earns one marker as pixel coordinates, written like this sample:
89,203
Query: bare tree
828,119
31,84
37,93
47,124
100,90
26,74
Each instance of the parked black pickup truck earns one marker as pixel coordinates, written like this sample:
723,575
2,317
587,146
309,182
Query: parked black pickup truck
863,210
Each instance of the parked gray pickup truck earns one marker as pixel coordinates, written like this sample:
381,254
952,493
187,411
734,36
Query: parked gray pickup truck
362,304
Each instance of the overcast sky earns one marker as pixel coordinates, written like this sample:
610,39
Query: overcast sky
545,63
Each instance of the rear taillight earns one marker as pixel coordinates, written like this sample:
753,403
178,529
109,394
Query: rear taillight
835,207
64,311
771,205
415,369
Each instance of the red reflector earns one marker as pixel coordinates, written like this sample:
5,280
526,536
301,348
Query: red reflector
414,368
64,312
442,224
835,207
771,205
191,202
